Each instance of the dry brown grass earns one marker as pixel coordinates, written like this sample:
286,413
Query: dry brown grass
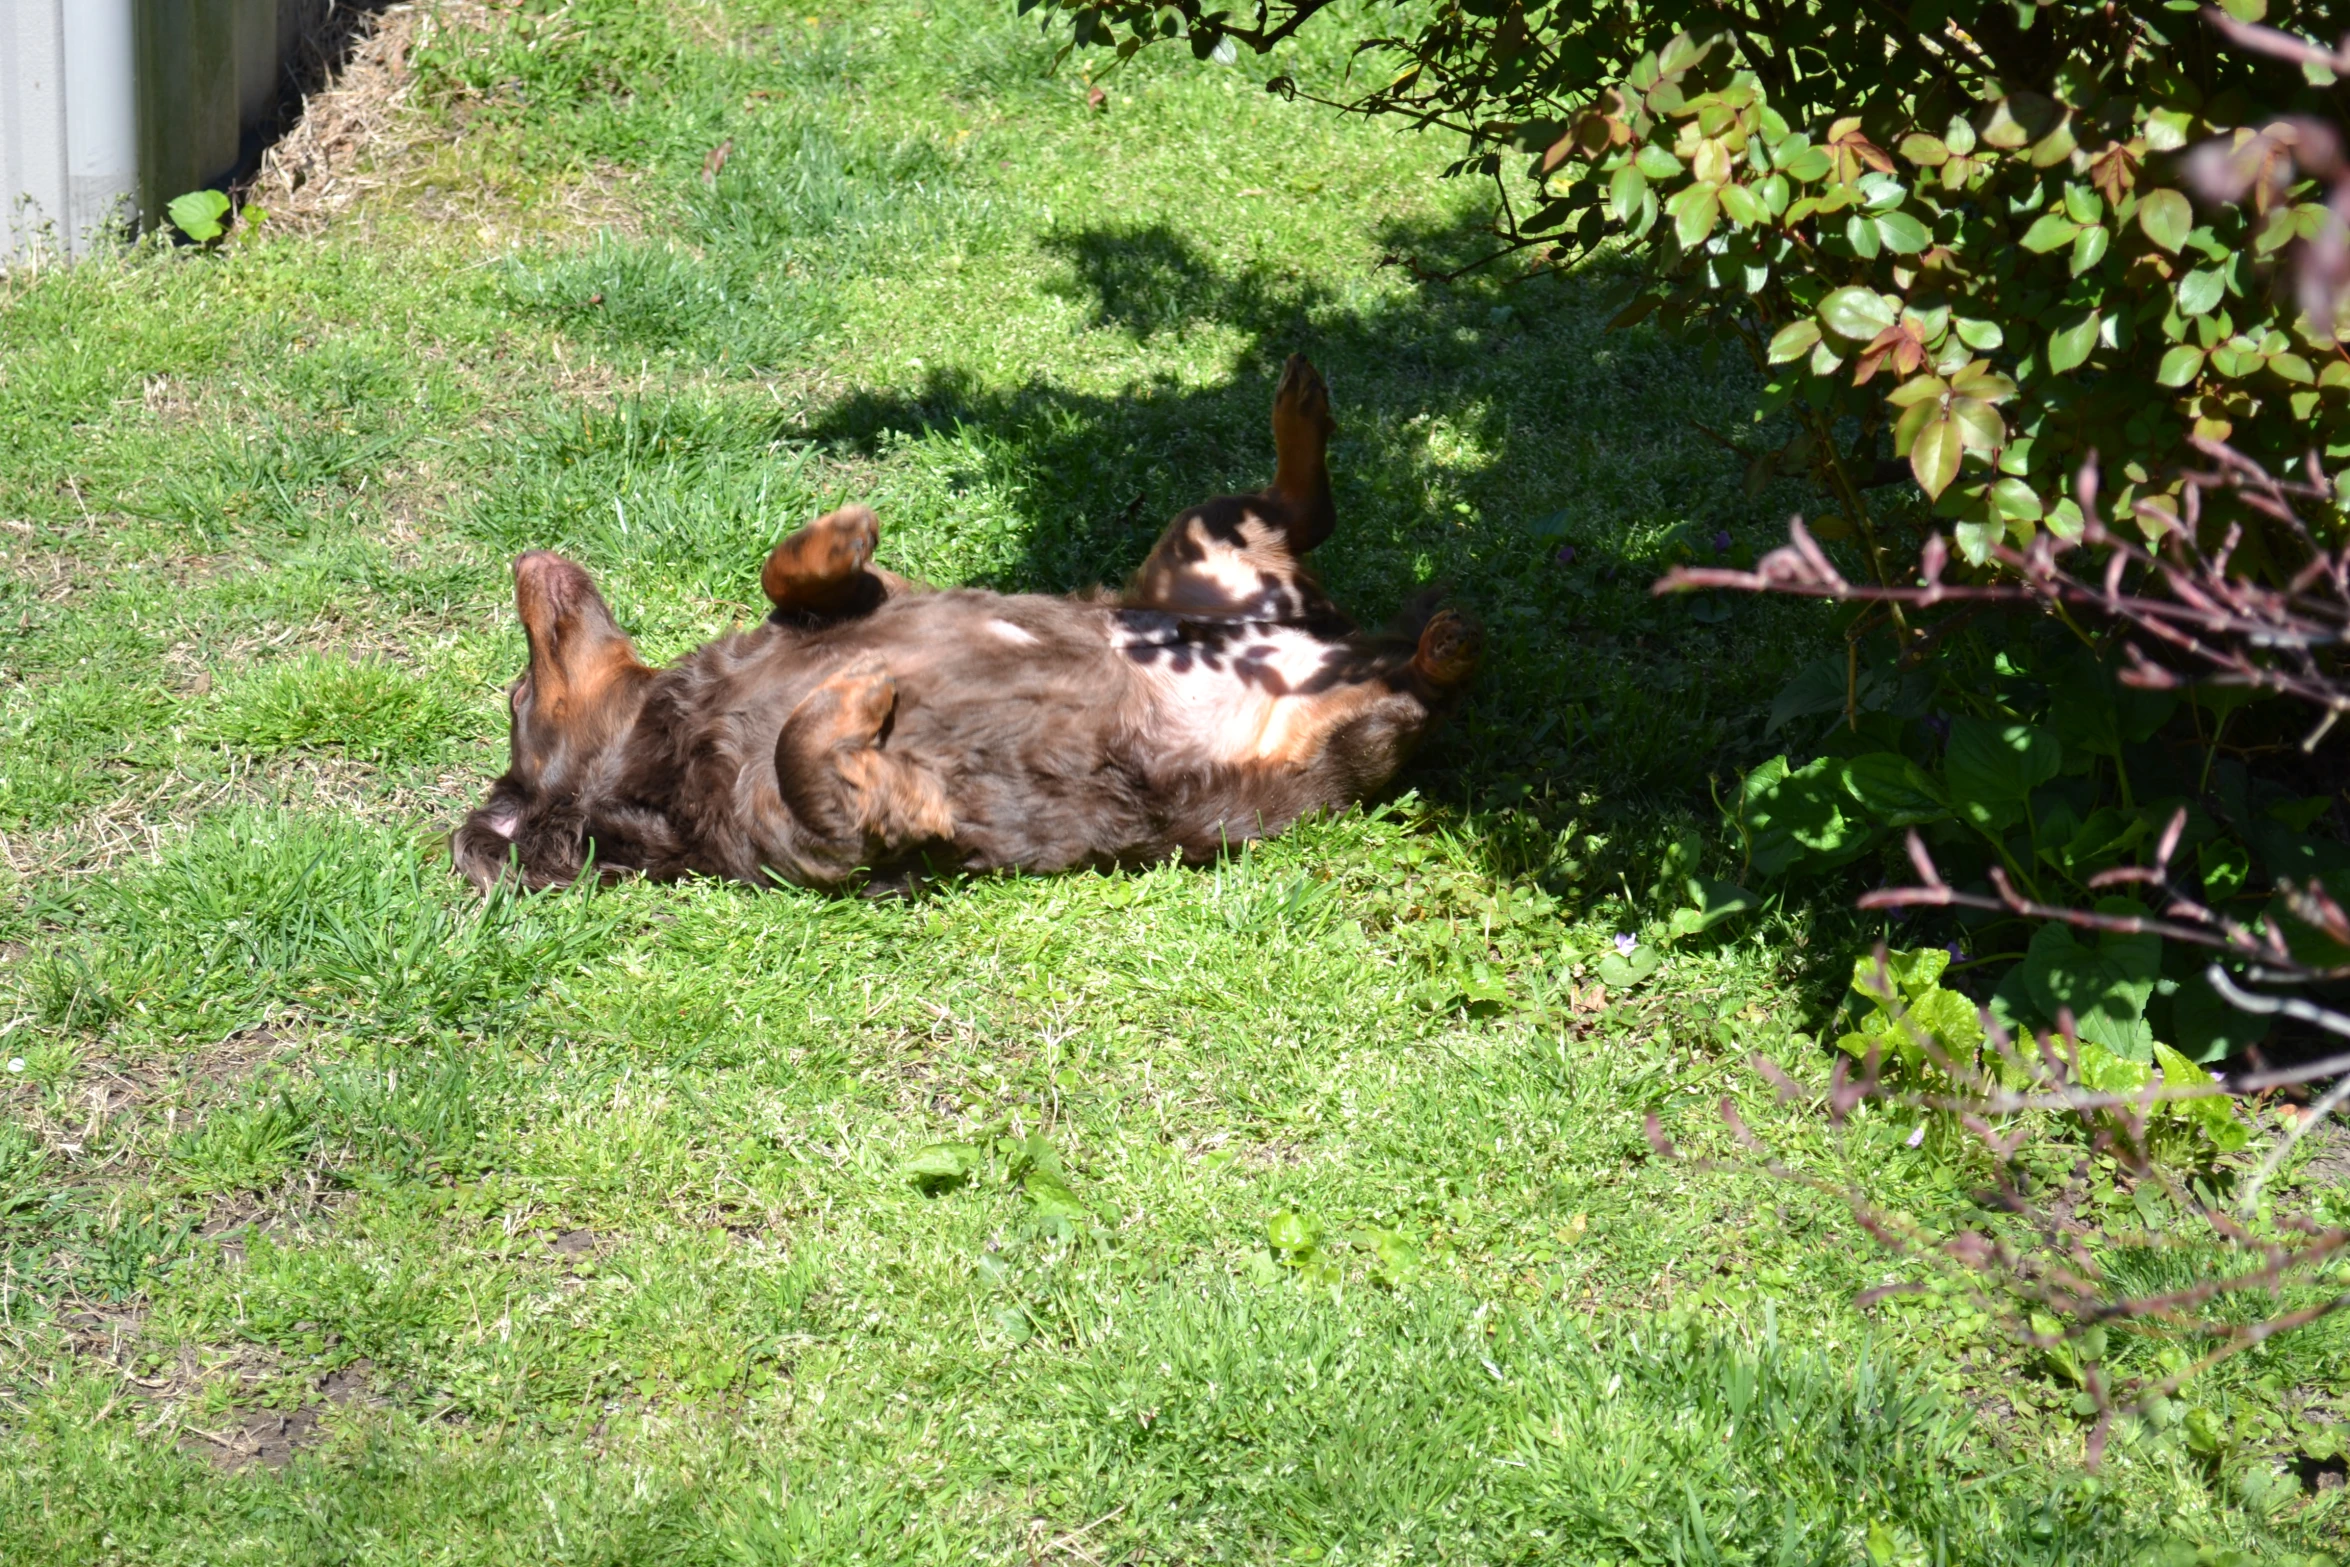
320,167
365,142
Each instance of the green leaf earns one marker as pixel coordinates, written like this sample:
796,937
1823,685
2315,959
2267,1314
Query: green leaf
1710,903
1976,539
2165,217
2089,248
1860,231
1289,1230
1894,790
1917,389
2233,362
1913,419
2180,366
1993,768
2068,346
1623,970
1625,192
2205,1026
1694,210
1927,152
1743,206
1983,383
1656,163
1052,1196
942,1166
1983,336
1858,313
1395,1261
2012,497
1818,687
2106,986
1793,818
2200,291
1934,454
2054,231
1978,424
1902,234
2083,205
198,214
1915,1005
1794,340
2212,1115
2292,367
2092,713
1809,166
2167,130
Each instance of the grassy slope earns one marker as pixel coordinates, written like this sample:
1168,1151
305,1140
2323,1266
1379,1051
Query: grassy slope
577,1229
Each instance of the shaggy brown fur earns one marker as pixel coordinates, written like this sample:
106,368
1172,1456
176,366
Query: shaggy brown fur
872,728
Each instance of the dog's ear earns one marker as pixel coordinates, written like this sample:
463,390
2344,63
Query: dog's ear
483,848
576,647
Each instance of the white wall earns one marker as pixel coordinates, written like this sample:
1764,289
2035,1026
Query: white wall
110,108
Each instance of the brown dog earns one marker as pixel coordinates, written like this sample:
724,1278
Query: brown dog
871,727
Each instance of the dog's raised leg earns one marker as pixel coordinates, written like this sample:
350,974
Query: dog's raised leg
1302,428
849,797
825,570
1239,557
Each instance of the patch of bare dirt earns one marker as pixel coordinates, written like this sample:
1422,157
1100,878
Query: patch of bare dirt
574,1243
271,1437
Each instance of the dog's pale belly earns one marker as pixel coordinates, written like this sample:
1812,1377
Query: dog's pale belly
1233,695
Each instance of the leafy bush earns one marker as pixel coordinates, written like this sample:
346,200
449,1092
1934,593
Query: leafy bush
1908,1026
2055,773
1968,243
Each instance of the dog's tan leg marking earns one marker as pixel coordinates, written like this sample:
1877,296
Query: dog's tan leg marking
826,567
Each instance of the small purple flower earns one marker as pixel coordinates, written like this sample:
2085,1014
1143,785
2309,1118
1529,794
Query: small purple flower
1938,724
1918,1136
1625,942
1566,555
1721,541
1957,953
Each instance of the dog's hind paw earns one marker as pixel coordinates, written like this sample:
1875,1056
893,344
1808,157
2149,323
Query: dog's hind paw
1302,401
1449,648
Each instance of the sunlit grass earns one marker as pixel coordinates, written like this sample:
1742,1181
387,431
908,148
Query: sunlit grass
582,1227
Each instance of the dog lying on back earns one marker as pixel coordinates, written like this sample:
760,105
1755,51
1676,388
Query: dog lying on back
870,728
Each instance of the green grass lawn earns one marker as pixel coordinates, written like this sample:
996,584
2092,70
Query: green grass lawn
1301,1209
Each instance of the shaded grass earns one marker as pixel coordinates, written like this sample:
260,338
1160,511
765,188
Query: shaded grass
601,1200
